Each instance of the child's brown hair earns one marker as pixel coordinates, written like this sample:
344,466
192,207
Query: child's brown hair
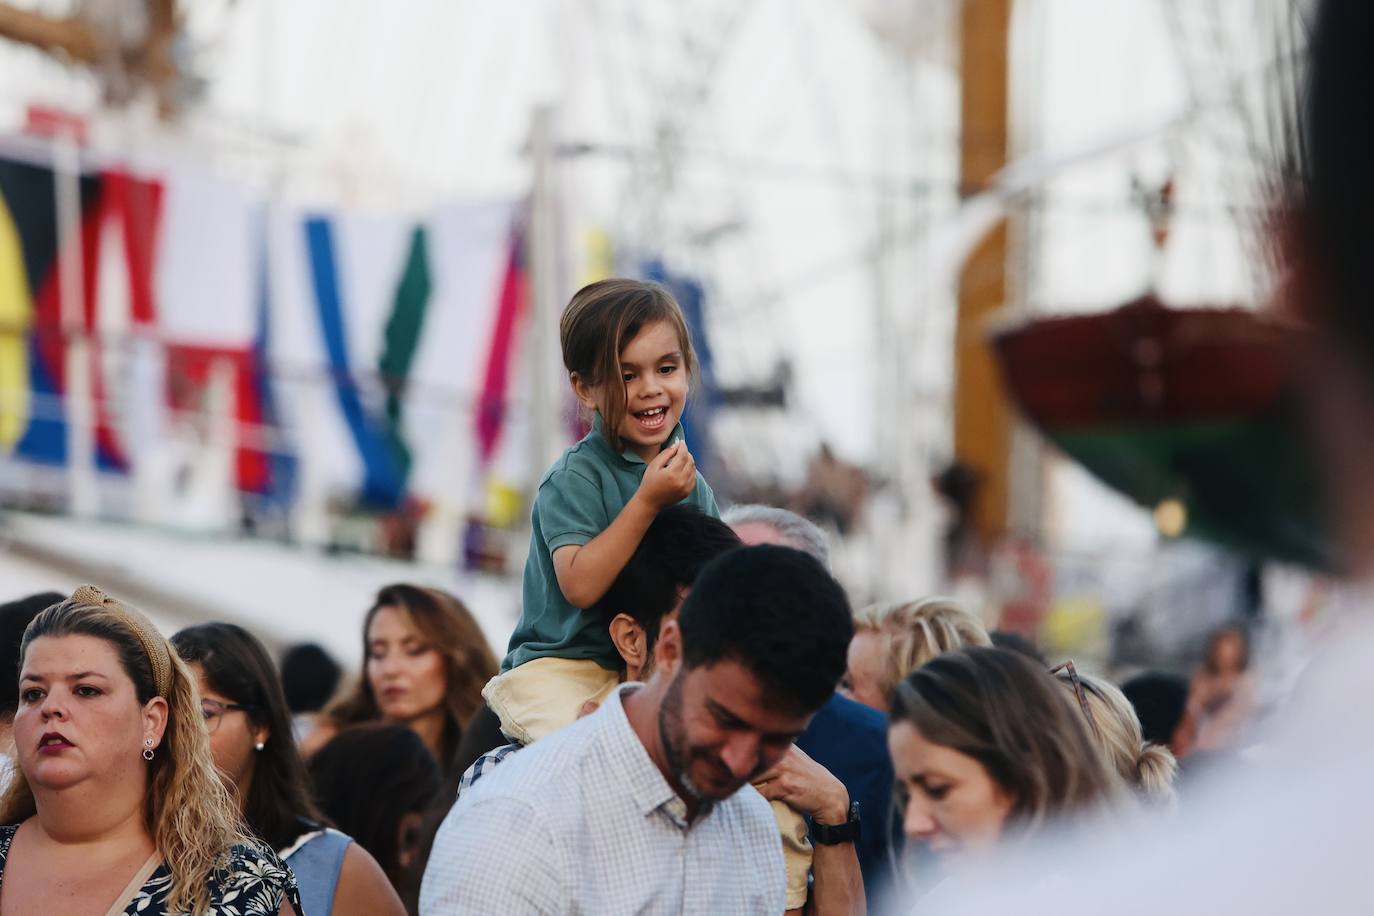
599,321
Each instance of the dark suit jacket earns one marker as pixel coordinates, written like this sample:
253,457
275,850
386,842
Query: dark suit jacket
850,740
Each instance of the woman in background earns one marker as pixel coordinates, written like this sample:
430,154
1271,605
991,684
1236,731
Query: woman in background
377,782
893,640
116,806
425,662
15,617
988,752
1222,695
1148,768
250,737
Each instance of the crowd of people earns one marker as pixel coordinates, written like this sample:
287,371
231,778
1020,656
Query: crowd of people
785,753
690,716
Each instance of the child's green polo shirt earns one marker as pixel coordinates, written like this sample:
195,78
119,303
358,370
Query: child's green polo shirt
578,498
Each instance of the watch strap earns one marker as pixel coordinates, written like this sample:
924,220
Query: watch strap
834,834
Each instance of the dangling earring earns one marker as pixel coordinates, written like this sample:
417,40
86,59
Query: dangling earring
147,748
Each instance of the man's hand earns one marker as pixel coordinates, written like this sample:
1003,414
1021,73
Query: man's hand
669,478
837,885
807,787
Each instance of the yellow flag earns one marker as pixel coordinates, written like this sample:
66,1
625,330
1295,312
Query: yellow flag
1076,623
598,256
504,505
16,313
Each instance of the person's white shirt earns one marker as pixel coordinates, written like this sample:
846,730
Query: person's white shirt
583,821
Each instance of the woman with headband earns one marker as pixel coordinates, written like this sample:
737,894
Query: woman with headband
116,807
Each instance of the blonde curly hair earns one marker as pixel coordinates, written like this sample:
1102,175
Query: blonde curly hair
188,812
916,632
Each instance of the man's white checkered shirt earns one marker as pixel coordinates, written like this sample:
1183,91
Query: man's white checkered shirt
583,822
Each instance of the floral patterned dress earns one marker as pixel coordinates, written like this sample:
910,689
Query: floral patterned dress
254,882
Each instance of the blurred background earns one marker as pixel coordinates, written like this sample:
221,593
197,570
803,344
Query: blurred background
985,288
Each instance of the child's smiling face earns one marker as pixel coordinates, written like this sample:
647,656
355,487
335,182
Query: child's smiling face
655,379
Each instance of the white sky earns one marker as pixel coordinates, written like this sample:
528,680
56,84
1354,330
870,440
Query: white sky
781,113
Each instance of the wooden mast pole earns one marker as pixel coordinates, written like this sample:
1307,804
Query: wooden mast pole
982,425
72,37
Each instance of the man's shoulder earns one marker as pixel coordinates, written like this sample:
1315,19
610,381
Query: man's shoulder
855,715
750,810
748,828
485,765
545,773
845,729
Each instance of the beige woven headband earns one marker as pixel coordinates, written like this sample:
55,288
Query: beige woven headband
154,646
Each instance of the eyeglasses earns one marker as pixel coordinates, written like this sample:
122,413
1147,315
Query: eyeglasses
1079,692
214,710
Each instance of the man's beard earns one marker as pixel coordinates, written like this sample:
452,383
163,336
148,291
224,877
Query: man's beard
672,735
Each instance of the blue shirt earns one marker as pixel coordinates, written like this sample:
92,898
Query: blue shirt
850,740
317,859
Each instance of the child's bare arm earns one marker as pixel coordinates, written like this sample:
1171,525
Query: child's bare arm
585,572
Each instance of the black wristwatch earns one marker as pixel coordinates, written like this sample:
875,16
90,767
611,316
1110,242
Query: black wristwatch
848,832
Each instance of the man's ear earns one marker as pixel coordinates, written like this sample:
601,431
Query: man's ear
668,649
629,640
585,394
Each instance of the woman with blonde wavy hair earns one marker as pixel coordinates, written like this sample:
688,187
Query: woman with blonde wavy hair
893,640
116,806
1148,768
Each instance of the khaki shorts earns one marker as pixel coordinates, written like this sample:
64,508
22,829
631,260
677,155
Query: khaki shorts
796,852
545,694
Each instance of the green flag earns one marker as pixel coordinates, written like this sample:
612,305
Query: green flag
402,339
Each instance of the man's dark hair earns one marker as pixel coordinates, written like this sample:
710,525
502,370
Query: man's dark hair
776,612
309,677
1160,699
670,556
14,620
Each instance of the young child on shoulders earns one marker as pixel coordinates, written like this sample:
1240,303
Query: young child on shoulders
630,362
